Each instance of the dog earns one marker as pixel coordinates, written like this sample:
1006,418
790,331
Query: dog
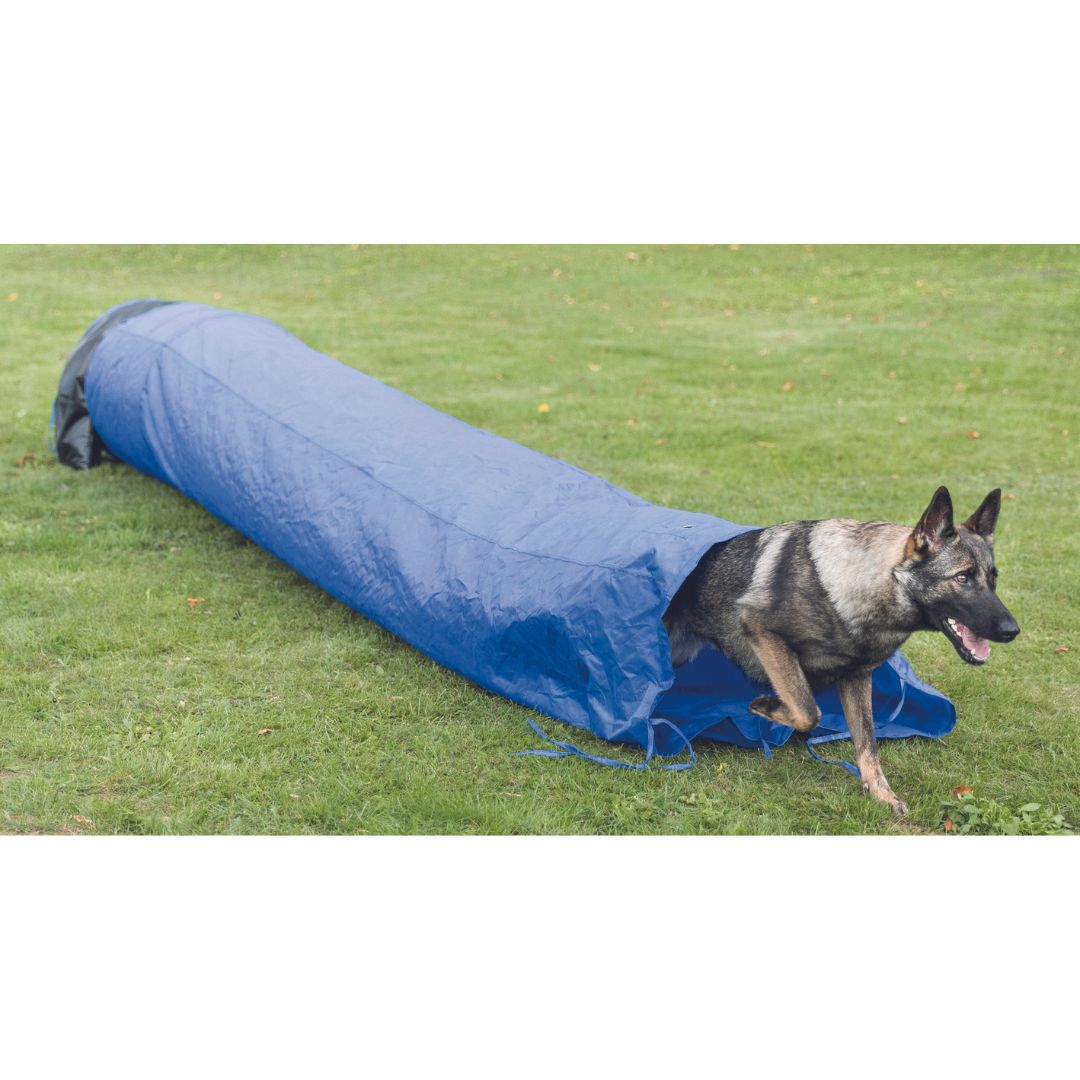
806,605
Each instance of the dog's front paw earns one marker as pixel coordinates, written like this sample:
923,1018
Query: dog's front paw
888,797
766,706
772,708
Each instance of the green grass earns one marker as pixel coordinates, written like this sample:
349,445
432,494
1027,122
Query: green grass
125,709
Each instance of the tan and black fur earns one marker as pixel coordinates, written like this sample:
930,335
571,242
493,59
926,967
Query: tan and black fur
811,604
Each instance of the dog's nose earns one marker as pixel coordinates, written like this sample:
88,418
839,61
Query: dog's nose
1007,630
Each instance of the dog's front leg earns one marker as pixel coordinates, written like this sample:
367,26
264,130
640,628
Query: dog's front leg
794,704
855,696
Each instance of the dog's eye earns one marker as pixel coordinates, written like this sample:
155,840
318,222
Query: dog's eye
961,579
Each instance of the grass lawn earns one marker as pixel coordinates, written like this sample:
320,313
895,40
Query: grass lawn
761,384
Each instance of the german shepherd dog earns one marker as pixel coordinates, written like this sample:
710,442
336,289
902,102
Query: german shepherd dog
809,604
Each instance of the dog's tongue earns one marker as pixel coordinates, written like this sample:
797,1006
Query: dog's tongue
979,647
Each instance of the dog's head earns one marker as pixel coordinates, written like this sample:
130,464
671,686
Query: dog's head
950,574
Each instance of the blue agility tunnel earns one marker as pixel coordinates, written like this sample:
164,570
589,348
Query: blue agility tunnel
532,578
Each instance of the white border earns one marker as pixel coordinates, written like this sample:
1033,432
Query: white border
533,957
561,122
570,121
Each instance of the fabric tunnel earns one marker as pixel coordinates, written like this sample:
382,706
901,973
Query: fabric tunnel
530,577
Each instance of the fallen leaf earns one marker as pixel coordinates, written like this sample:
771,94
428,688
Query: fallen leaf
543,407
292,795
962,789
263,731
766,445
632,256
569,300
217,296
763,352
959,386
788,386
919,284
594,367
631,421
1060,350
667,304
891,375
1010,496
83,820
902,420
1062,648
25,459
734,247
922,324
813,299
195,601
272,698
556,272
948,825
659,442
729,311
973,435
499,376
12,297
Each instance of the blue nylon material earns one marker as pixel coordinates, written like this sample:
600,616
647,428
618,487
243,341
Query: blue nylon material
850,766
525,574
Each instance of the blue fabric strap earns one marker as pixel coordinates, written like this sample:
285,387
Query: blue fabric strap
685,741
853,769
568,749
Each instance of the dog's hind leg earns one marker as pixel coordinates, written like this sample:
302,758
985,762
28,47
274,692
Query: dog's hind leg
794,705
855,696
685,645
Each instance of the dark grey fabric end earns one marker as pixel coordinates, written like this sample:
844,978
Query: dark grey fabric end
76,442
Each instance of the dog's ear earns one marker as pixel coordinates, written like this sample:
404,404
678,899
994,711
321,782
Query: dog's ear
934,526
985,518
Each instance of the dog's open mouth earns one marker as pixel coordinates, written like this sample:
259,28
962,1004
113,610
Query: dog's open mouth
971,647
